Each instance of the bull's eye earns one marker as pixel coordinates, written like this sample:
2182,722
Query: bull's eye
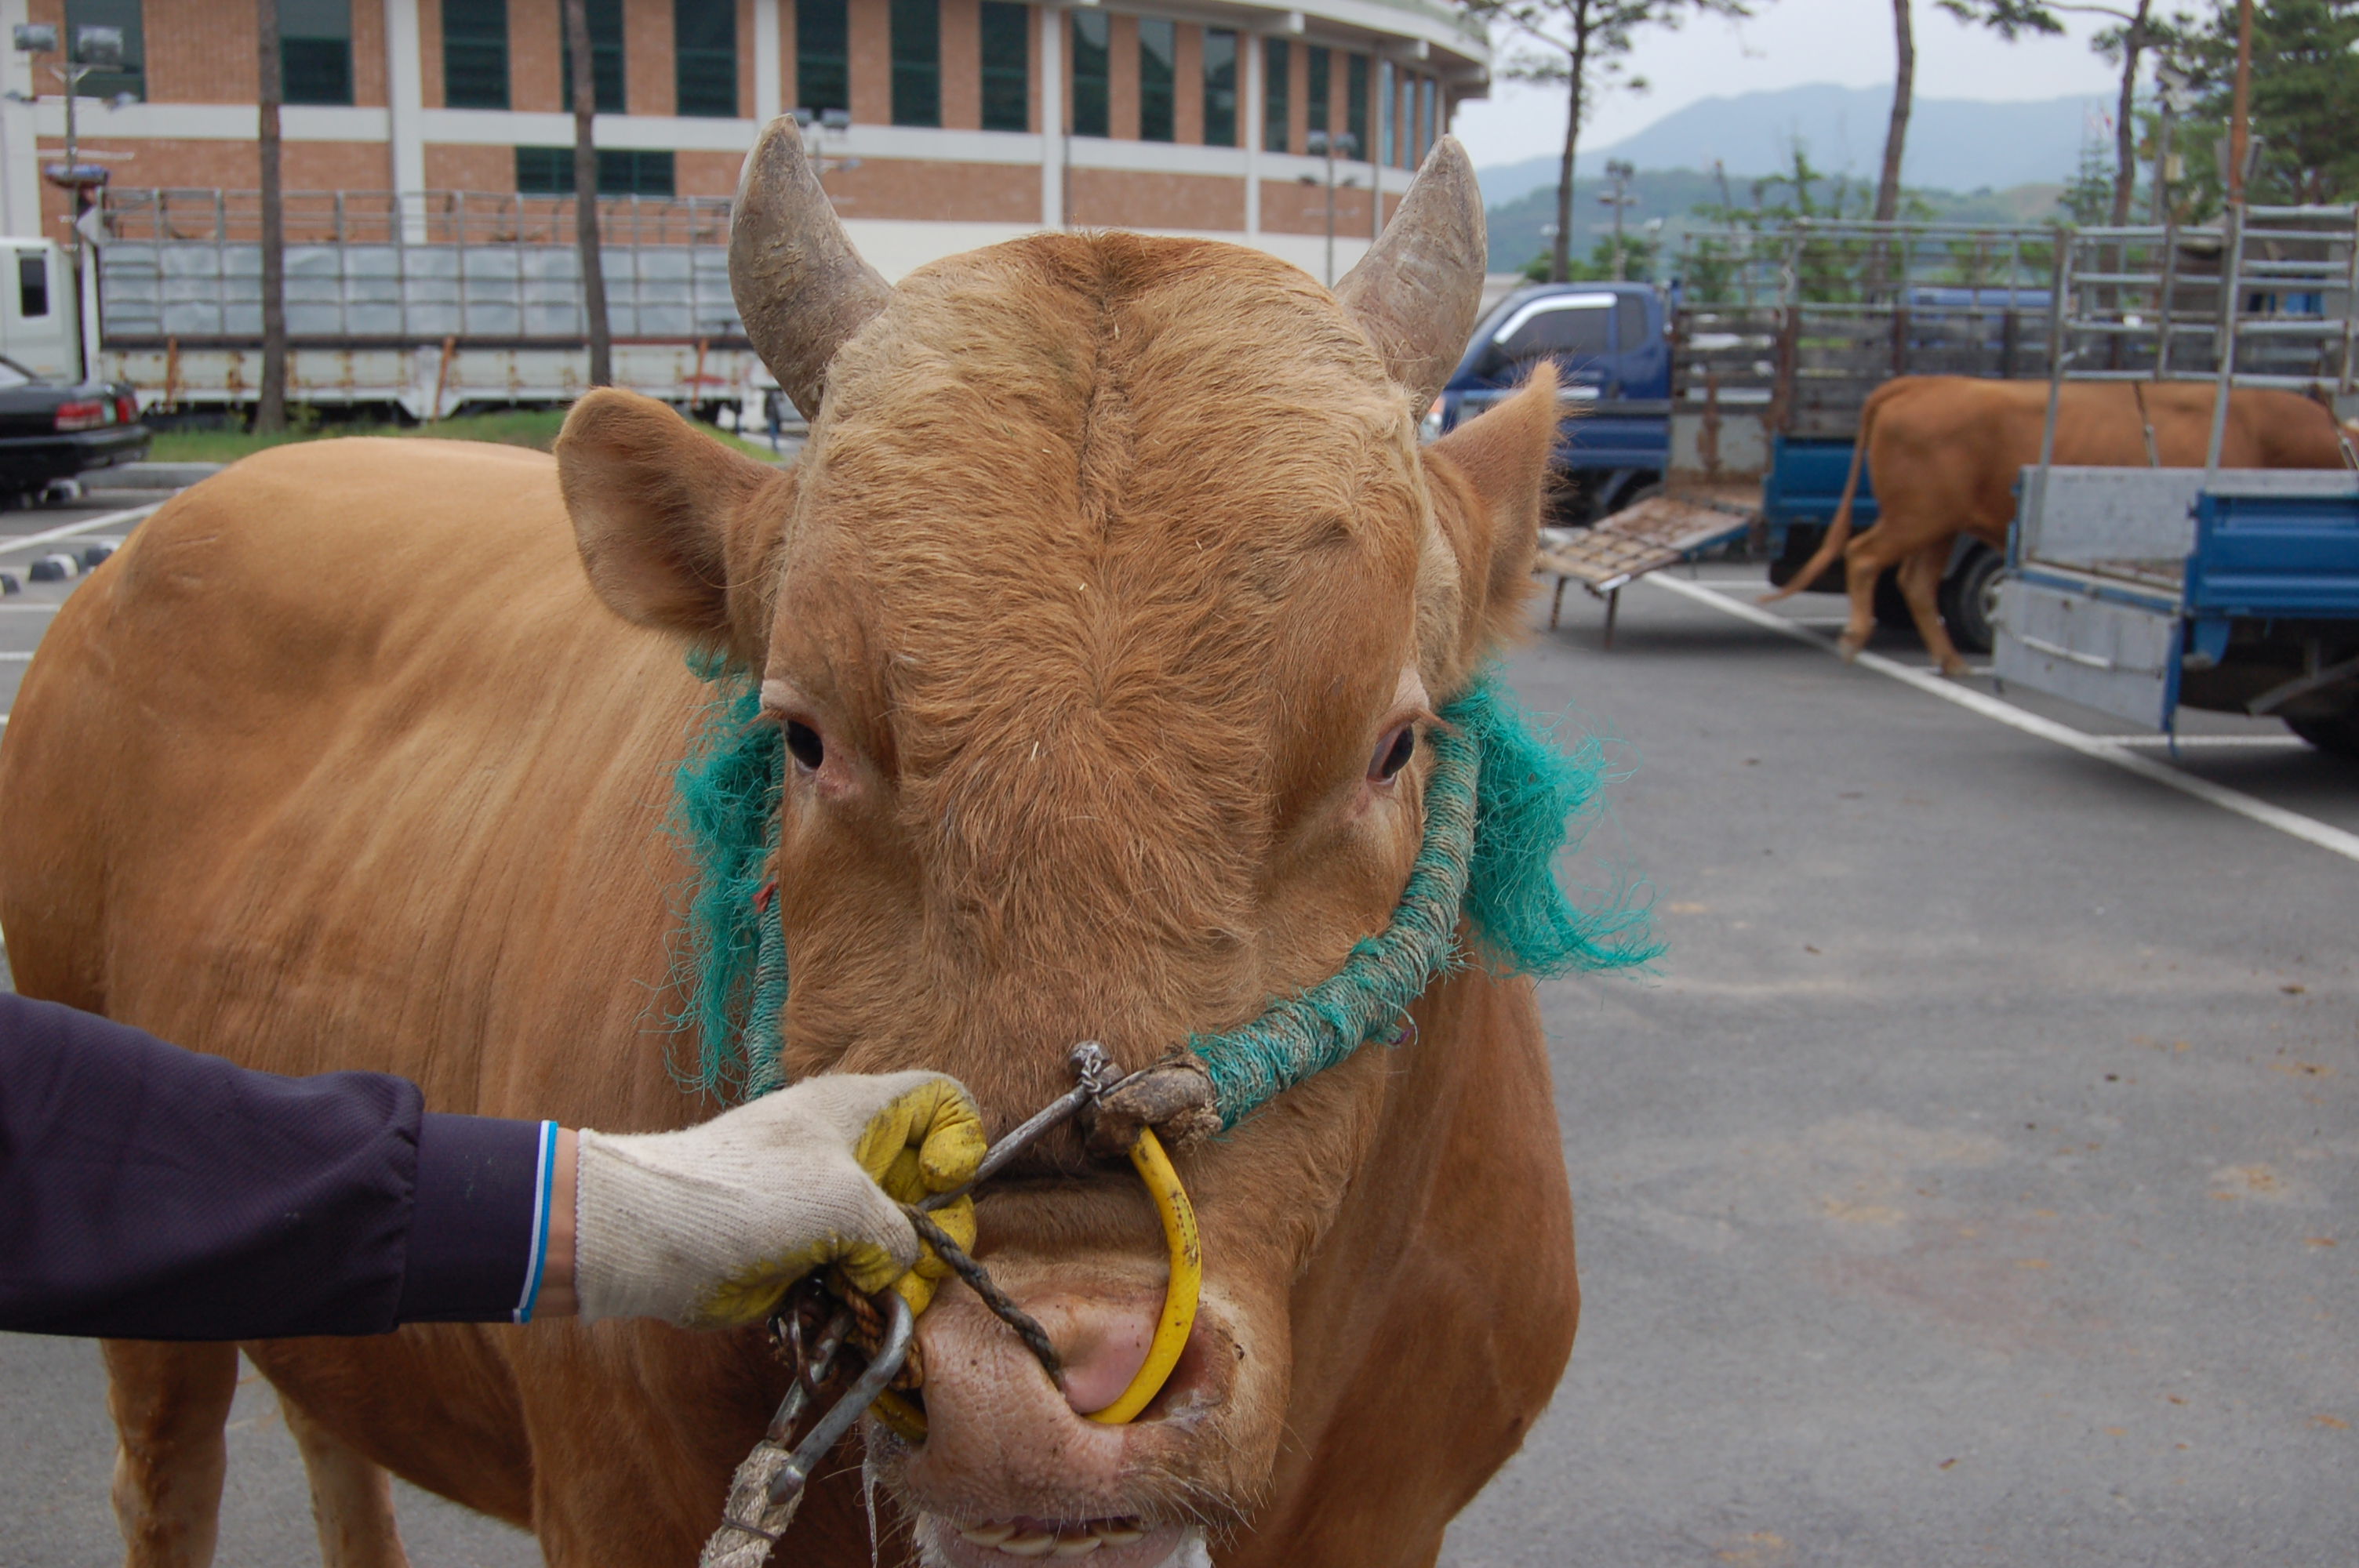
803,744
1392,753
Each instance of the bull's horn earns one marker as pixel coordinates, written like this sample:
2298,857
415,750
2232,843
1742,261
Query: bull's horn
801,287
1418,290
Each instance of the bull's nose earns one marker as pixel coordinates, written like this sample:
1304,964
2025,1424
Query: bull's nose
1103,1347
1000,1443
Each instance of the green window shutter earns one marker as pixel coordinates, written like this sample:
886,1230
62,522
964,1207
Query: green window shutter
823,55
917,62
1007,66
1158,84
475,54
705,57
1092,73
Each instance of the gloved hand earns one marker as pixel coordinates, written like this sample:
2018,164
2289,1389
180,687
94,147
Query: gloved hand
706,1227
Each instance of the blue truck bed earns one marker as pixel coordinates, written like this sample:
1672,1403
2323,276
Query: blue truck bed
2140,591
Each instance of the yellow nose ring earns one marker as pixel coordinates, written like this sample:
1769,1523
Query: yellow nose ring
1181,1296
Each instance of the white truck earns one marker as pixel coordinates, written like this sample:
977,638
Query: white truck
425,304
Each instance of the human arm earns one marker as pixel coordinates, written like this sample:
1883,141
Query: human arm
148,1192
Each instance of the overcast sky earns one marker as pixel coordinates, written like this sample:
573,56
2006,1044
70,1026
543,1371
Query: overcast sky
1789,43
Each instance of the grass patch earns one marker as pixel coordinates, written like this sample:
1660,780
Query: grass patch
534,428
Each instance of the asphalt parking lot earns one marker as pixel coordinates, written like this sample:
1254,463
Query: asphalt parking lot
1972,1182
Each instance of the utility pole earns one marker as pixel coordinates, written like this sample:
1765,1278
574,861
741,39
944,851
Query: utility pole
1331,145
270,404
2176,91
1620,172
2240,127
584,77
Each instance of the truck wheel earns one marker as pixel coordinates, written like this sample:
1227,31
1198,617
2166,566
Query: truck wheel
1969,601
2337,734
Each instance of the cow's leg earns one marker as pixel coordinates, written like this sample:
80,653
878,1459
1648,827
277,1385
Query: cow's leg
1863,564
1920,582
352,1499
169,1404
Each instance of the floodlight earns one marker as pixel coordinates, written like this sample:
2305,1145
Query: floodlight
101,47
36,38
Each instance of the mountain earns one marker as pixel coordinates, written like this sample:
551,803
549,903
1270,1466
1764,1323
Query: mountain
1954,144
1670,196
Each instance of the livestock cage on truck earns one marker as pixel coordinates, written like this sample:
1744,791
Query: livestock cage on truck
1777,337
2139,591
427,302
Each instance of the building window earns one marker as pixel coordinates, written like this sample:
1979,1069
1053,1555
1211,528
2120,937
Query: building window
1007,66
315,51
32,284
1356,103
605,21
1387,105
705,57
119,14
1092,73
622,171
1158,51
822,56
1276,94
1428,130
1220,88
475,54
1314,85
917,62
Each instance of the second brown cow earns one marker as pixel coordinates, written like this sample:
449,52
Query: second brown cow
1944,451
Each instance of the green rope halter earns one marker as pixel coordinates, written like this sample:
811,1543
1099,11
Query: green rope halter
1500,803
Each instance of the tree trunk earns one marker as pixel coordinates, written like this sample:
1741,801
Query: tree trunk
1560,254
270,406
2124,129
585,192
1904,90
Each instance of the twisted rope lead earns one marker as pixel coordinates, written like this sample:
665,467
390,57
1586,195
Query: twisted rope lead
1002,1306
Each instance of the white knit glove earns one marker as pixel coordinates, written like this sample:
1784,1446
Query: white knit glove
707,1228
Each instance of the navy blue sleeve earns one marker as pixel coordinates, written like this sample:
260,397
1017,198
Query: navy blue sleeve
152,1192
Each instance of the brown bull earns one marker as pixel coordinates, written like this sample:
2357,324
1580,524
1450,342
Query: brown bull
1945,452
1099,601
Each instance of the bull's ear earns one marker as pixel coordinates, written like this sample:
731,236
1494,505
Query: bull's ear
1488,478
657,508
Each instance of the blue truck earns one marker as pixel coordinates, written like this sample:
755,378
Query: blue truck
1722,410
2143,591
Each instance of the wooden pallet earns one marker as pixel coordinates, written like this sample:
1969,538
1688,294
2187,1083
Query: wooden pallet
1658,531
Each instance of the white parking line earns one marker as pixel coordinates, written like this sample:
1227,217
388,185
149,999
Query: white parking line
2104,749
15,546
2206,741
9,659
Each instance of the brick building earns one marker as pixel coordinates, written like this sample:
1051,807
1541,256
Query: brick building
970,121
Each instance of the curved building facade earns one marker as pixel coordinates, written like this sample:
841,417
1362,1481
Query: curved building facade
941,125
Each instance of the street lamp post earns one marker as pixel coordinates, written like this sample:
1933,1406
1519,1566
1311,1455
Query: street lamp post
94,50
1620,173
1331,146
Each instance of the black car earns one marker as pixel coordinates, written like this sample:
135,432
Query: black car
52,429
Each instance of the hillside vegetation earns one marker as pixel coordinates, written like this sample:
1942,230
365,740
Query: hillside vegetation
1686,199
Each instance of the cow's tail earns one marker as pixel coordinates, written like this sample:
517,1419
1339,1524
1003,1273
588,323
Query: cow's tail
1839,531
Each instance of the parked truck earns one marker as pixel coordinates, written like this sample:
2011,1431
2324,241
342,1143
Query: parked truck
1723,408
420,305
2143,591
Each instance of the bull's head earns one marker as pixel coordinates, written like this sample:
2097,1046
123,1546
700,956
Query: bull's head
1105,612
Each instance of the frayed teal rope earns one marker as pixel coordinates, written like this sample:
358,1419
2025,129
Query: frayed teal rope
1500,803
725,812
